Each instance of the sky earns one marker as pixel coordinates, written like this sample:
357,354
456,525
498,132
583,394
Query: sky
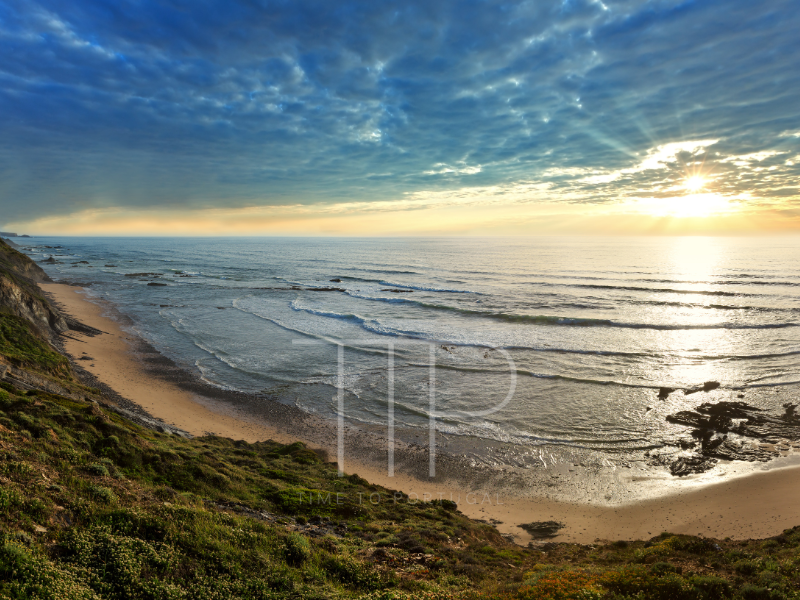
345,117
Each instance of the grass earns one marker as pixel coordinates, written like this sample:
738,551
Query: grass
21,346
94,506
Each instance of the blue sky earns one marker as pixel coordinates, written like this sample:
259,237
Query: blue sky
312,108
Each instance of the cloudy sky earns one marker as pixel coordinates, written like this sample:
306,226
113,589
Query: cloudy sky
412,117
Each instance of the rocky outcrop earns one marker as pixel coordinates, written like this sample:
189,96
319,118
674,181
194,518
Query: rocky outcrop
730,431
20,296
16,262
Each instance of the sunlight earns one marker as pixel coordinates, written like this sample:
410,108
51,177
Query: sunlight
694,183
692,205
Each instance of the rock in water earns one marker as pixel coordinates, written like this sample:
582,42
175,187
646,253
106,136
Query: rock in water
664,392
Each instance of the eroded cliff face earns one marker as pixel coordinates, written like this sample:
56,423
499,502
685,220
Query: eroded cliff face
16,262
20,296
24,301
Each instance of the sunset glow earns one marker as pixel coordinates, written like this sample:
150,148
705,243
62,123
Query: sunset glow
366,118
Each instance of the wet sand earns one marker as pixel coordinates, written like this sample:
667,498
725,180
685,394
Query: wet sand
756,505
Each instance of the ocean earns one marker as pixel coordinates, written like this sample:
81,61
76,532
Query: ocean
559,341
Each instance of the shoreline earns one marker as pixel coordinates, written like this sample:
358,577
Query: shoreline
756,505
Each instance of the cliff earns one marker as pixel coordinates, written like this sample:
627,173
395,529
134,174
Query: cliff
21,297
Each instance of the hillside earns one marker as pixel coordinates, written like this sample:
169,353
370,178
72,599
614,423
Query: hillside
93,505
20,296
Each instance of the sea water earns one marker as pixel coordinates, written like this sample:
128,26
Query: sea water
543,340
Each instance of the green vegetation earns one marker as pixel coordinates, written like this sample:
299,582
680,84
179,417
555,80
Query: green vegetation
94,506
21,346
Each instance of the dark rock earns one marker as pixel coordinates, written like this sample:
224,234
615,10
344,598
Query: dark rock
689,465
396,291
712,423
336,281
664,392
706,387
324,289
112,266
142,274
155,283
542,530
51,261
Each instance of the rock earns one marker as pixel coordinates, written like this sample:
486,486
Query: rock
51,261
664,392
336,281
542,530
397,291
155,283
706,387
689,465
711,424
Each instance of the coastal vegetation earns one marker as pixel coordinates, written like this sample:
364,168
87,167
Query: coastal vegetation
94,505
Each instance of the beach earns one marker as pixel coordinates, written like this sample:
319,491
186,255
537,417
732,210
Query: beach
756,505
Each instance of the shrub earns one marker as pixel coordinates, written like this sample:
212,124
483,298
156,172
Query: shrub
754,592
354,573
102,494
296,549
711,588
662,568
746,567
560,585
97,469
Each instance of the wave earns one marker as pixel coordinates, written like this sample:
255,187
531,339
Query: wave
586,322
527,373
427,289
631,288
570,321
765,385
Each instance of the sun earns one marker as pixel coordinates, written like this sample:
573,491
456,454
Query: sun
694,183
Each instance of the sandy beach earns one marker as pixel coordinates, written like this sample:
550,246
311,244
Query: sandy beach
757,505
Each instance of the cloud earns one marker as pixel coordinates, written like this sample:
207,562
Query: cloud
137,105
